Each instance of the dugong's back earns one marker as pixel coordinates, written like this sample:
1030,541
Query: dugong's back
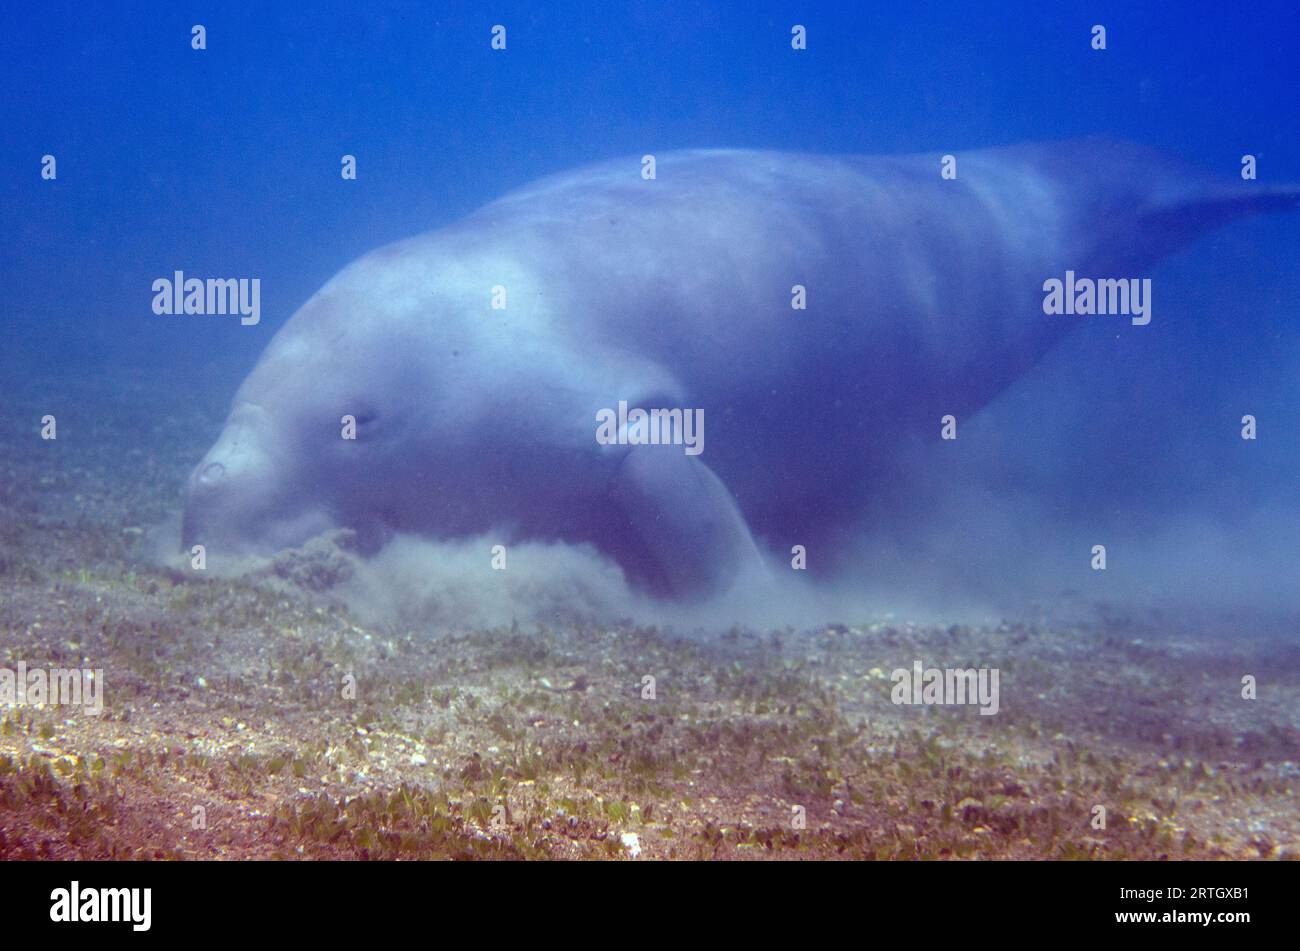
905,274
923,292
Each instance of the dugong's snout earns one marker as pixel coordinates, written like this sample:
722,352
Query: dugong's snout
240,497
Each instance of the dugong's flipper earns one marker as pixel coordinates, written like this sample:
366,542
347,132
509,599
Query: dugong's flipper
685,536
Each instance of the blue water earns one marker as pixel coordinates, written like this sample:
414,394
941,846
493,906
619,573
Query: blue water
226,162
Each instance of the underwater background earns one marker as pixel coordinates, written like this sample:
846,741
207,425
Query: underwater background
1122,686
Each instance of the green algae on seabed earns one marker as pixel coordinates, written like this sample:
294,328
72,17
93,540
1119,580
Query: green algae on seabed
472,758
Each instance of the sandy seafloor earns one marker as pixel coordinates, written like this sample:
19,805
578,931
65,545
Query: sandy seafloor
224,704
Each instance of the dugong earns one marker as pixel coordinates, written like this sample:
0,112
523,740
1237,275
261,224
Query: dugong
492,367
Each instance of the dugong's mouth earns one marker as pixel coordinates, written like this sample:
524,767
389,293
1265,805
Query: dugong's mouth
245,516
242,497
254,534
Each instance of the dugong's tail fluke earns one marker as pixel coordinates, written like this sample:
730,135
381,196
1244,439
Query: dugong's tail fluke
1166,224
1132,204
1172,224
